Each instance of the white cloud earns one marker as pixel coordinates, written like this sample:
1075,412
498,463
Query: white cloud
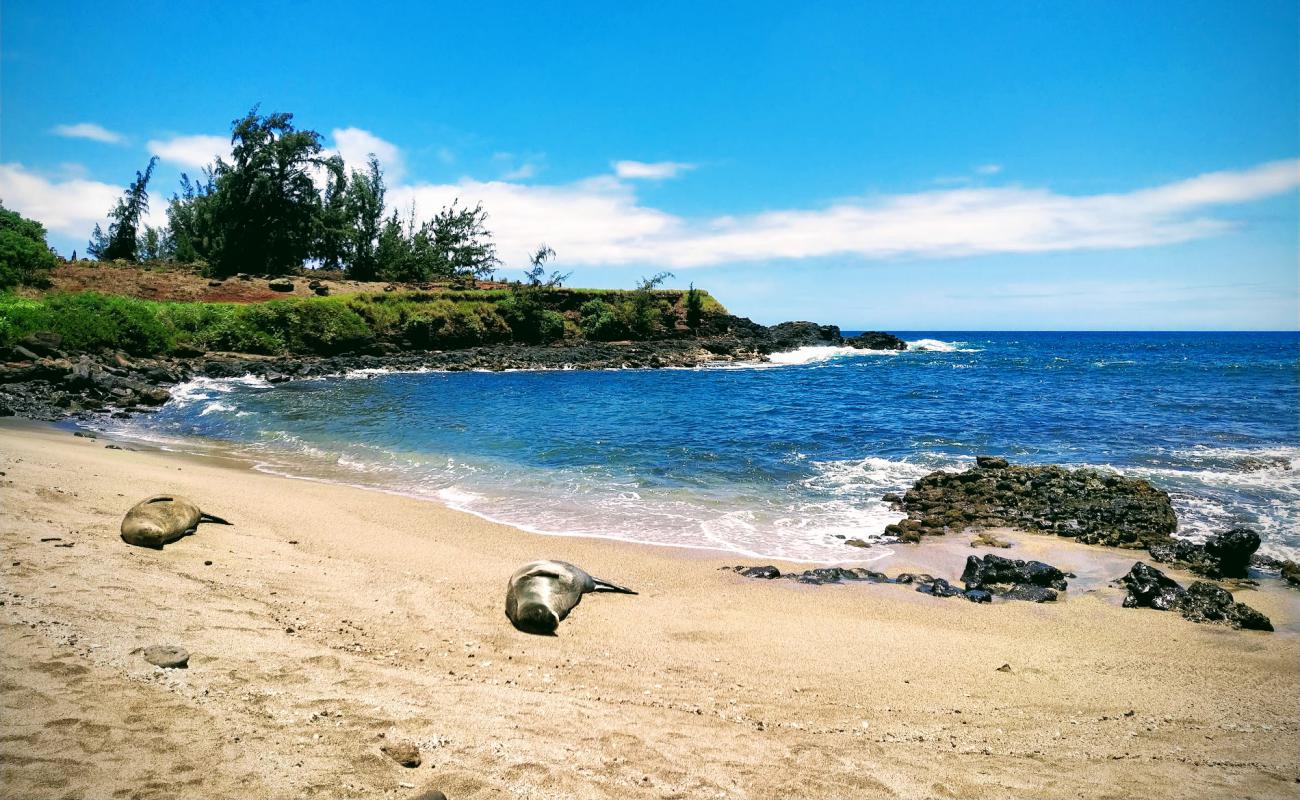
88,130
595,221
356,145
988,169
195,151
599,221
637,170
70,207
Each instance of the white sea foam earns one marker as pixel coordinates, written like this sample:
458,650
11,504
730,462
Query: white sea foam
816,354
198,389
937,346
215,406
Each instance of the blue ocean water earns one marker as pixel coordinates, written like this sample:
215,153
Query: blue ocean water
781,460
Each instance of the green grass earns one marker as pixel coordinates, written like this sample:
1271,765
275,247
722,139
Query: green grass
89,321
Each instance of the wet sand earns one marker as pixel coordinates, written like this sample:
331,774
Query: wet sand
332,620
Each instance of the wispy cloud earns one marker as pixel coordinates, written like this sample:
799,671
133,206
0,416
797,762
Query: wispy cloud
988,169
88,130
70,206
193,151
518,168
642,170
600,220
356,145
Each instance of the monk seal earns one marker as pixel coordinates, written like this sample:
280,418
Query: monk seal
162,519
542,593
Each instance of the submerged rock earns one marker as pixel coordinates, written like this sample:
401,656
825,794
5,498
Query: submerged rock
1090,505
1202,601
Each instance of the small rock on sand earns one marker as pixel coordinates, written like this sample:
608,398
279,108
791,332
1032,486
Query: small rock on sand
168,656
430,794
404,753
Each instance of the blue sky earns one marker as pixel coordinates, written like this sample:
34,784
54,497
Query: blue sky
904,166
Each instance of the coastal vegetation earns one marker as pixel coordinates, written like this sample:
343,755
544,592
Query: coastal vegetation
445,319
25,258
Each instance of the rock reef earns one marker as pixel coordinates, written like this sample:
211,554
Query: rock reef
1090,505
42,379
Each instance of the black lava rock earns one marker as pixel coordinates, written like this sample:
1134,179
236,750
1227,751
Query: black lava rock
938,587
1148,587
1233,550
1199,602
875,340
992,570
1090,505
1205,602
1034,594
1225,555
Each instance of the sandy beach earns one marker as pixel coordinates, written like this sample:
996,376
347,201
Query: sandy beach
330,620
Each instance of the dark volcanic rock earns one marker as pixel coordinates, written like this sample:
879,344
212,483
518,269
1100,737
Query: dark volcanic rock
1205,602
280,285
1200,602
1290,572
1233,549
991,570
1225,555
875,340
790,335
1148,587
1033,594
938,588
769,572
1092,506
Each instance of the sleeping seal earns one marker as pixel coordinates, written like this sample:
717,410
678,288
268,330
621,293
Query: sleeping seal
162,519
544,592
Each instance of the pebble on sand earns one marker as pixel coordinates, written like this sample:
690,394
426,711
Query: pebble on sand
168,656
404,753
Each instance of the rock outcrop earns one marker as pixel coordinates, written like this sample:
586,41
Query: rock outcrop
1090,505
875,340
1201,601
1226,555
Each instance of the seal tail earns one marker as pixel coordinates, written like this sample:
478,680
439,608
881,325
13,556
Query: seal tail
206,517
606,586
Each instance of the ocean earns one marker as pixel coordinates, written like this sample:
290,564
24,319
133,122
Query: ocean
784,460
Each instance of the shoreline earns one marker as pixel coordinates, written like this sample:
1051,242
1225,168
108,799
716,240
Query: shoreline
344,613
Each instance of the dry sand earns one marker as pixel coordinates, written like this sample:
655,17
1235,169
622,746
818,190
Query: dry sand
332,620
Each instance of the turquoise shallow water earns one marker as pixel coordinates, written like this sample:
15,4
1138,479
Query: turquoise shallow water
780,460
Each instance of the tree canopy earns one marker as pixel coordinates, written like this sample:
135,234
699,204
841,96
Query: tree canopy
24,255
281,201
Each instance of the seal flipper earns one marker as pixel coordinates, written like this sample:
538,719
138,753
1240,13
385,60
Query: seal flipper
606,586
205,517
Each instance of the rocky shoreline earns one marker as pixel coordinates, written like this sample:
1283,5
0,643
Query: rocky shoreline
40,379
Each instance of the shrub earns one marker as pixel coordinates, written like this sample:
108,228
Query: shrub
24,255
90,321
601,322
529,320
